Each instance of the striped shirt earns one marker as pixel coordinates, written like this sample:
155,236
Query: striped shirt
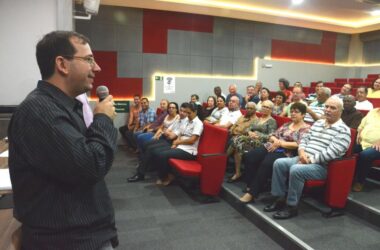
323,144
318,108
57,168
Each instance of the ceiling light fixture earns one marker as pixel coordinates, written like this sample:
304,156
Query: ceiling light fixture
297,2
375,13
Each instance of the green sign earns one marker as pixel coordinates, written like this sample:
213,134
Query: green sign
122,106
158,78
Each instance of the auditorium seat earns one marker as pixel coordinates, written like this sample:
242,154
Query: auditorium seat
210,165
375,102
330,84
281,120
340,174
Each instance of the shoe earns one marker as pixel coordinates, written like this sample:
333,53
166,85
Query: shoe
275,206
231,179
247,198
137,177
246,190
357,187
288,212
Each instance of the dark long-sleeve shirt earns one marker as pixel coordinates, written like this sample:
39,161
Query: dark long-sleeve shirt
57,169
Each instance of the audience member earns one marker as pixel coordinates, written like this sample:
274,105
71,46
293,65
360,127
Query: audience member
368,141
316,109
257,134
133,119
233,92
350,116
243,123
344,91
57,165
211,104
162,139
195,100
228,119
185,147
218,92
279,103
299,84
283,84
251,96
264,96
374,91
326,140
361,99
152,128
146,117
296,97
218,112
313,96
282,143
258,87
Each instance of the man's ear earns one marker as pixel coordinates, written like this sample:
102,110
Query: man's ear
61,65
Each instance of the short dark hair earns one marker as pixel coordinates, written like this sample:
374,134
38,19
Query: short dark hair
53,44
280,93
319,82
137,95
175,104
222,97
196,96
299,106
144,98
363,87
285,82
191,106
266,90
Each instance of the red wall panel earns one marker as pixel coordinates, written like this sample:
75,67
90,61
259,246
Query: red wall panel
156,25
324,52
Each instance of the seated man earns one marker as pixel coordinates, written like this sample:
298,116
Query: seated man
313,96
296,97
233,92
326,140
361,99
230,118
146,117
251,96
350,116
133,119
344,91
316,109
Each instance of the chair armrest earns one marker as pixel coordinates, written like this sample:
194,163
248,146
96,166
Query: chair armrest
212,174
210,155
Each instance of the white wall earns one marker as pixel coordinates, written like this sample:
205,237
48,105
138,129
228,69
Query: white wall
22,24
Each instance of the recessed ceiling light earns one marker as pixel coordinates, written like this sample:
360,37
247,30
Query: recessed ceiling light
375,13
296,2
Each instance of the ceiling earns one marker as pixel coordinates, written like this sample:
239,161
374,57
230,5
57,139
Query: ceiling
345,16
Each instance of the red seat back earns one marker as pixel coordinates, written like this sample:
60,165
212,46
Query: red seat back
213,140
281,120
375,102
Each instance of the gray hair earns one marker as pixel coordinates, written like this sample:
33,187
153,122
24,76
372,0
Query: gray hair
337,100
326,90
250,104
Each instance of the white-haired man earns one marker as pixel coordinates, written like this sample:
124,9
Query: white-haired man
327,139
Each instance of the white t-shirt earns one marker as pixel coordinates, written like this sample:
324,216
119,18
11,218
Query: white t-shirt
231,116
193,127
364,105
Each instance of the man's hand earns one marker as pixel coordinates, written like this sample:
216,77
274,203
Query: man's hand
377,145
106,107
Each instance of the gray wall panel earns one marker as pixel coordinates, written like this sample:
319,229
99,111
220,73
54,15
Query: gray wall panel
242,67
153,63
262,46
224,26
296,34
129,64
222,66
129,38
243,47
201,64
223,46
179,42
244,28
263,30
103,36
201,44
371,52
179,64
119,15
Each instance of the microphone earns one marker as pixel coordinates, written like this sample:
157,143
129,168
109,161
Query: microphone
102,92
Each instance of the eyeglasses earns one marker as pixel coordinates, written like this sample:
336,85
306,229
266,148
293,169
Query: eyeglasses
267,107
89,59
172,108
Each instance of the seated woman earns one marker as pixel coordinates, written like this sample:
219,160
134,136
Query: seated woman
374,91
283,143
220,110
368,141
211,104
169,120
257,134
279,103
185,147
244,122
264,96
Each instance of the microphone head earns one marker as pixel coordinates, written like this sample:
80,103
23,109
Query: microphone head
102,92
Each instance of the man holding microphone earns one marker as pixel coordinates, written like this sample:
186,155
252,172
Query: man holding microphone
57,164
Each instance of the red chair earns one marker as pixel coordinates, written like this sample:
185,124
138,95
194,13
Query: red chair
330,84
373,76
364,112
281,120
210,165
375,102
337,186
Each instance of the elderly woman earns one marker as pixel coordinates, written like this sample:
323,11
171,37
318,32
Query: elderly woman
282,143
264,96
219,111
279,103
374,91
257,134
244,122
368,141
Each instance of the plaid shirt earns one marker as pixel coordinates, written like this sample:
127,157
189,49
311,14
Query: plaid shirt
146,117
